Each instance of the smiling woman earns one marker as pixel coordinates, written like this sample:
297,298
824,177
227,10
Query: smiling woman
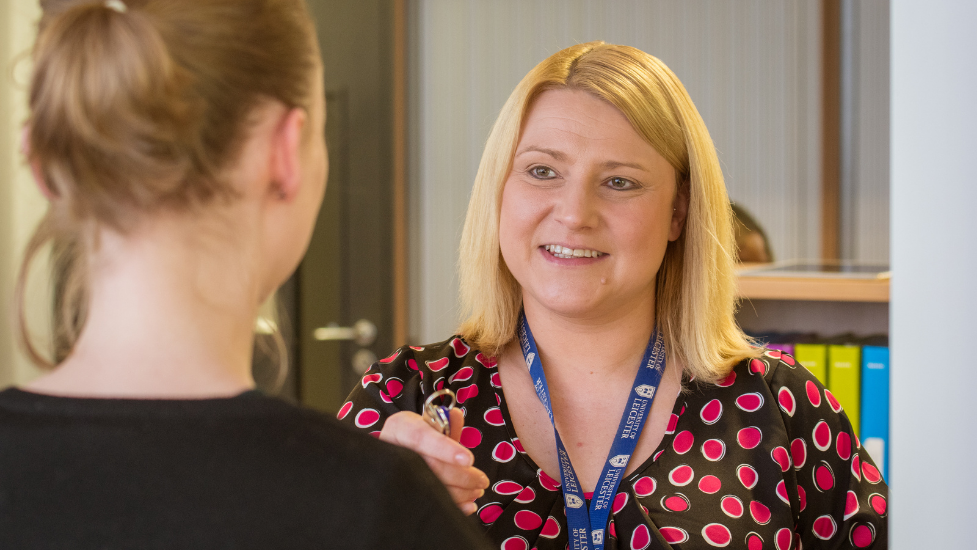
582,179
607,395
657,135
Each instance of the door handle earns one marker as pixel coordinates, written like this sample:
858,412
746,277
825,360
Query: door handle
362,332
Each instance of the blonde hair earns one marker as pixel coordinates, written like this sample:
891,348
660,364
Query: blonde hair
696,288
139,106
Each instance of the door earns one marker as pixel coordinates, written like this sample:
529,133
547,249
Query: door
348,273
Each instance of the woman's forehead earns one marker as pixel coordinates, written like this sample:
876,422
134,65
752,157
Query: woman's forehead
566,121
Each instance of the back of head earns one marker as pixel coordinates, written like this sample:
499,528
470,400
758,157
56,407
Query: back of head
695,296
138,106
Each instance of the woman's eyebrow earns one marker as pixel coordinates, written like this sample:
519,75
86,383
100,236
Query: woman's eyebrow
561,156
558,155
611,164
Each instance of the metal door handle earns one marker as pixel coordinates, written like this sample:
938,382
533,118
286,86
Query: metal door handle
362,332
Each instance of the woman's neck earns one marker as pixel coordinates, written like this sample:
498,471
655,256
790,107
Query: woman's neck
579,347
170,315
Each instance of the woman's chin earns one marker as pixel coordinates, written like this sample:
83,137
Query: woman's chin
572,306
584,301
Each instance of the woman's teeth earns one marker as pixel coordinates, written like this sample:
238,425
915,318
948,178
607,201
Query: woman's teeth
564,252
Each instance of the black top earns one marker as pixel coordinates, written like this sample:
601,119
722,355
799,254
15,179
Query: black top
235,473
765,459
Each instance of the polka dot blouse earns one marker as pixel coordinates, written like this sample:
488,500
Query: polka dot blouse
766,459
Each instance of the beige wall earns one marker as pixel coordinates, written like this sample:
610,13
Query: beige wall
20,203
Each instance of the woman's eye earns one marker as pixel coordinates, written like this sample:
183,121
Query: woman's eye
621,184
542,172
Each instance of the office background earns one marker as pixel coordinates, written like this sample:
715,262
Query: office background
907,184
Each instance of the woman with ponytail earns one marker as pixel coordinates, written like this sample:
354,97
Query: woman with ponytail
180,144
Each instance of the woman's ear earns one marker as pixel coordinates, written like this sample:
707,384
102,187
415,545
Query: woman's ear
286,168
680,211
35,166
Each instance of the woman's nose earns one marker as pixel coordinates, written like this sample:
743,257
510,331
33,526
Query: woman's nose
576,206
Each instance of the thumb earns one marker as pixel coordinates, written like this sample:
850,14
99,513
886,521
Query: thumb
457,423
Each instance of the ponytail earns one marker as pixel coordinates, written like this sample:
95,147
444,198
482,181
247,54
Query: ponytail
136,107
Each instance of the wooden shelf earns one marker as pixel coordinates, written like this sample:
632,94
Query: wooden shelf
838,289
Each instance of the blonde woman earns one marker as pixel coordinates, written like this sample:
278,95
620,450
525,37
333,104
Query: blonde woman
181,145
607,394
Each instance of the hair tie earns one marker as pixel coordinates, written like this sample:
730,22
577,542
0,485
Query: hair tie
116,5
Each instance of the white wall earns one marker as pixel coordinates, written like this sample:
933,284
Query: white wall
20,203
934,269
752,69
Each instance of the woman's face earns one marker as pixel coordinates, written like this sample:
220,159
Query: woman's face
587,210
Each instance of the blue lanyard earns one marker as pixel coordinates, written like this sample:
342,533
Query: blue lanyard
586,529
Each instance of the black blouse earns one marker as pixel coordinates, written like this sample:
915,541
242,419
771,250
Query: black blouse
765,459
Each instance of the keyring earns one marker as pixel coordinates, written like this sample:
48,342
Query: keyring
438,416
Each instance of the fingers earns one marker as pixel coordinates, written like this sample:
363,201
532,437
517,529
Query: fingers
462,477
464,484
457,423
450,461
408,429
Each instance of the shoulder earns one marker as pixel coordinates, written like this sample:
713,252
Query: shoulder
339,460
772,374
781,390
415,510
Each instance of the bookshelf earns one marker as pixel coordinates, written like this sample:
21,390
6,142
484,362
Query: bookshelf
828,305
837,289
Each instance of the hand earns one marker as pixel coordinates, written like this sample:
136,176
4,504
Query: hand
447,458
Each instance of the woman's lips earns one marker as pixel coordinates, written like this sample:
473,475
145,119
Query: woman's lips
567,253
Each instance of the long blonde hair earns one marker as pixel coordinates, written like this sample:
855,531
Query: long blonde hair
696,288
138,106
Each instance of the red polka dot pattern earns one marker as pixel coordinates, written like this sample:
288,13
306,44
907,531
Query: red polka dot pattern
786,399
551,529
878,503
640,538
851,504
675,503
758,367
782,492
780,456
862,535
714,450
749,438
644,486
765,458
710,484
683,442
711,412
783,539
747,476
528,520
619,502
681,475
674,535
488,513
515,543
717,534
813,393
507,488
344,410
732,506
